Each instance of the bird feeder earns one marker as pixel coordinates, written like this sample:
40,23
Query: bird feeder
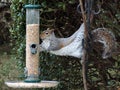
32,42
32,70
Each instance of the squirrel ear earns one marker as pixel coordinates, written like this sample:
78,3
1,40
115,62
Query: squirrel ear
48,28
52,30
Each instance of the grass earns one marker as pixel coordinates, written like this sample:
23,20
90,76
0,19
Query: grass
8,68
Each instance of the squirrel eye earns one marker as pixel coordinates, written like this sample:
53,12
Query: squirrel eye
46,33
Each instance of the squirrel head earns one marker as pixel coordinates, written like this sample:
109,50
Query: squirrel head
46,34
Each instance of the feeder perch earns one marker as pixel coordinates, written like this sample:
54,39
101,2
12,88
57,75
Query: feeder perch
32,54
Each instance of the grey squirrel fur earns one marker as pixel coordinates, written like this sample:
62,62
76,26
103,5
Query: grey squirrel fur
51,43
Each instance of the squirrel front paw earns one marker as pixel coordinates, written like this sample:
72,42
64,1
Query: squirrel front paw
41,48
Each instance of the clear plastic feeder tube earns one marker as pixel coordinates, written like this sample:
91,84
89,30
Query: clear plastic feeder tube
32,42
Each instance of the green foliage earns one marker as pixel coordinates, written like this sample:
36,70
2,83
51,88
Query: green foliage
62,15
5,21
18,29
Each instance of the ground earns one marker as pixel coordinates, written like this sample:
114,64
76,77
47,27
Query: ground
8,67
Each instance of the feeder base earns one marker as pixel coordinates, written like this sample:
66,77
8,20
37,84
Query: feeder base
32,80
22,84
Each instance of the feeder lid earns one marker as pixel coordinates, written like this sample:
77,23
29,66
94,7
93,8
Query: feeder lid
31,6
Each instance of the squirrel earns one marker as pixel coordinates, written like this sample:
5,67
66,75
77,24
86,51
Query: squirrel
73,45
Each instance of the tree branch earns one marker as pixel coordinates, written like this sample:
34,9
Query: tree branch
84,57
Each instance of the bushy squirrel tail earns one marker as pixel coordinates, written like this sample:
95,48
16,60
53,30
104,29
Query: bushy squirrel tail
107,39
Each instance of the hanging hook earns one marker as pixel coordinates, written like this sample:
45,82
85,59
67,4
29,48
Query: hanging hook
78,9
99,10
86,8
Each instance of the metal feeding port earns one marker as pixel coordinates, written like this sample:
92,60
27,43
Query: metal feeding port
33,48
